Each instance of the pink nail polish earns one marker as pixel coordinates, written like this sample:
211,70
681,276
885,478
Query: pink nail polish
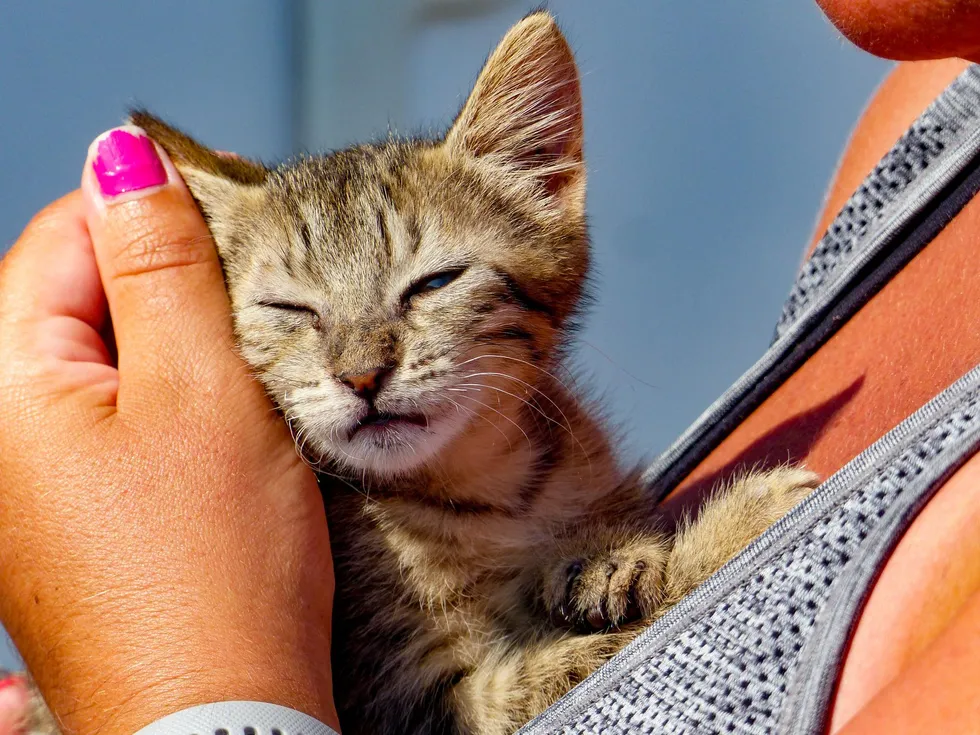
126,160
11,681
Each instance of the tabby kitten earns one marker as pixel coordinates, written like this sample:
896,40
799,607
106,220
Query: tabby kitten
408,305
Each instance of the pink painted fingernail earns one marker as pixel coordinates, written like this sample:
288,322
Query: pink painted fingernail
11,681
125,160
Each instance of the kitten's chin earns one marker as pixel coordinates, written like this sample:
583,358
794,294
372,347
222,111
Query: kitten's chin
395,446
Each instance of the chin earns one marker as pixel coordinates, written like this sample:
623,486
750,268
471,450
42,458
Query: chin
395,447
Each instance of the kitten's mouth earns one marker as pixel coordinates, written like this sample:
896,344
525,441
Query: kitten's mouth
381,420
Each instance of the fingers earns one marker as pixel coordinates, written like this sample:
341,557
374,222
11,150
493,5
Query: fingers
51,273
158,264
52,309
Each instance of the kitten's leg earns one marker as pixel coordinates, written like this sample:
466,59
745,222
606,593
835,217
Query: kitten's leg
606,579
511,687
729,521
620,577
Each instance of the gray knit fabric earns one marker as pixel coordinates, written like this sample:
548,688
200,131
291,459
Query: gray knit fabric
758,648
922,145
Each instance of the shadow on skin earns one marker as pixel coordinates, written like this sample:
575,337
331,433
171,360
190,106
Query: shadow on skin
789,442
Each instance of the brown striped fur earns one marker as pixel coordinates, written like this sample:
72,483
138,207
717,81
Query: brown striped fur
492,553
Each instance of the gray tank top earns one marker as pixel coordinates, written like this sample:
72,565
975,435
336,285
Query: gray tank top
758,648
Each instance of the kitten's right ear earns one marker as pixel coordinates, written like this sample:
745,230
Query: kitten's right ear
526,109
216,181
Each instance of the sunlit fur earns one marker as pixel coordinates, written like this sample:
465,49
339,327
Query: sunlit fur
492,554
348,236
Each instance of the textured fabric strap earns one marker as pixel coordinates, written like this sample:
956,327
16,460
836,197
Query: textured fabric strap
237,718
908,168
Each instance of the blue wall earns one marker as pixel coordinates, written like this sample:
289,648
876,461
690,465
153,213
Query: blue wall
69,70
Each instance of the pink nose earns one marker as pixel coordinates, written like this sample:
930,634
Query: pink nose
365,384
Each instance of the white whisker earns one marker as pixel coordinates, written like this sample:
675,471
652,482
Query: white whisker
499,413
523,362
479,415
567,426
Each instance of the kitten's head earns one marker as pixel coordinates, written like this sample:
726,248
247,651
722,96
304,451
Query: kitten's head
392,296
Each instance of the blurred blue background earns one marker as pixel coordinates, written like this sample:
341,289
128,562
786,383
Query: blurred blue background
712,131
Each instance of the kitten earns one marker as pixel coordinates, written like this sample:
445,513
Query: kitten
408,306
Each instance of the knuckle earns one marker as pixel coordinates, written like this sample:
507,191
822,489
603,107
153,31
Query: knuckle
49,221
50,217
148,250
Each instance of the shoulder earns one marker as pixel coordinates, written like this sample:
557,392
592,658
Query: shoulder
900,99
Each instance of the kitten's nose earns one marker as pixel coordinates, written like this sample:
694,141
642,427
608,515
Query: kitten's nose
365,384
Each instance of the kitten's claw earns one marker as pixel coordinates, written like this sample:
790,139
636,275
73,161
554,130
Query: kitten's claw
781,489
610,589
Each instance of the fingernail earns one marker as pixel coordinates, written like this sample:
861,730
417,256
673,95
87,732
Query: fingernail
11,681
125,160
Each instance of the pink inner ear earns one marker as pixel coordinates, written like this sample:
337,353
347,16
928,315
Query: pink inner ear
549,152
555,156
526,107
542,158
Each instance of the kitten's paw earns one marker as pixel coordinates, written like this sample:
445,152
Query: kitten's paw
782,488
609,589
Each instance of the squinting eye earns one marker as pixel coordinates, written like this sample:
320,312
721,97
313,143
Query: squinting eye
431,282
439,281
297,309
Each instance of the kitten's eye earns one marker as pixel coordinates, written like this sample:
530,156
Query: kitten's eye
297,309
438,282
432,282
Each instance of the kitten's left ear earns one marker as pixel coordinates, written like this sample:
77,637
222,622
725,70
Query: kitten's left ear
525,111
219,183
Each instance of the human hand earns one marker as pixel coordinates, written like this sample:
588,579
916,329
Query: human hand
161,543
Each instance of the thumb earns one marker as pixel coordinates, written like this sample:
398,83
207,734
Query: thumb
158,266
